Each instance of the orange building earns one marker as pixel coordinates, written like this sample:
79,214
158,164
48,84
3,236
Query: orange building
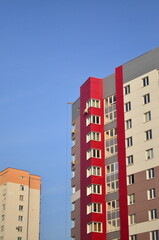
19,205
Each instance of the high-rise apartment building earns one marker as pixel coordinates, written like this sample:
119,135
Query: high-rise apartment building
19,205
115,165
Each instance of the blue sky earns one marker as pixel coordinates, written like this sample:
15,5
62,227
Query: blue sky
47,50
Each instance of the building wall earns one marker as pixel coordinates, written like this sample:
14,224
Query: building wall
118,189
19,205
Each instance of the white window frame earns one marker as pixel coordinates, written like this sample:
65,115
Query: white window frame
94,171
113,224
151,193
128,124
149,154
154,235
146,98
112,205
129,142
150,173
131,179
73,189
132,219
94,189
93,153
112,168
152,214
145,81
130,160
133,237
94,208
94,136
147,116
127,89
112,186
94,227
110,100
94,119
128,106
111,133
93,103
148,134
131,199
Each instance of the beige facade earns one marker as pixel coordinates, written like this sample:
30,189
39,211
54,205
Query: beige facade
19,205
143,169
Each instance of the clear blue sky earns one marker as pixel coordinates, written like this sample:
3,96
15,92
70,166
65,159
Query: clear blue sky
47,50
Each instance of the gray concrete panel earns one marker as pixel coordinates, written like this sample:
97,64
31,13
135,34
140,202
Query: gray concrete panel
109,86
75,109
141,65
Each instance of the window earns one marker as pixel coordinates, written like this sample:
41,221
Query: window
20,228
110,100
73,142
3,207
21,197
112,186
154,235
133,237
145,81
3,217
113,225
96,136
93,170
93,119
93,103
148,134
22,187
147,116
73,206
111,168
129,142
94,227
111,149
127,89
20,218
146,98
73,189
73,173
94,153
132,219
94,188
112,205
127,106
150,173
19,238
131,179
73,223
2,228
111,133
153,214
131,199
149,153
21,207
151,193
128,124
130,159
94,207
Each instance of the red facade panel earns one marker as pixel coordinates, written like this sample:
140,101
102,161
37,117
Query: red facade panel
92,88
124,232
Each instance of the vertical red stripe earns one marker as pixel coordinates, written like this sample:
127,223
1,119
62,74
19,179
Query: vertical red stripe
92,88
124,233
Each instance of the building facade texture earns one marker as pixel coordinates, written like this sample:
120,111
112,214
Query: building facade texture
115,154
19,205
